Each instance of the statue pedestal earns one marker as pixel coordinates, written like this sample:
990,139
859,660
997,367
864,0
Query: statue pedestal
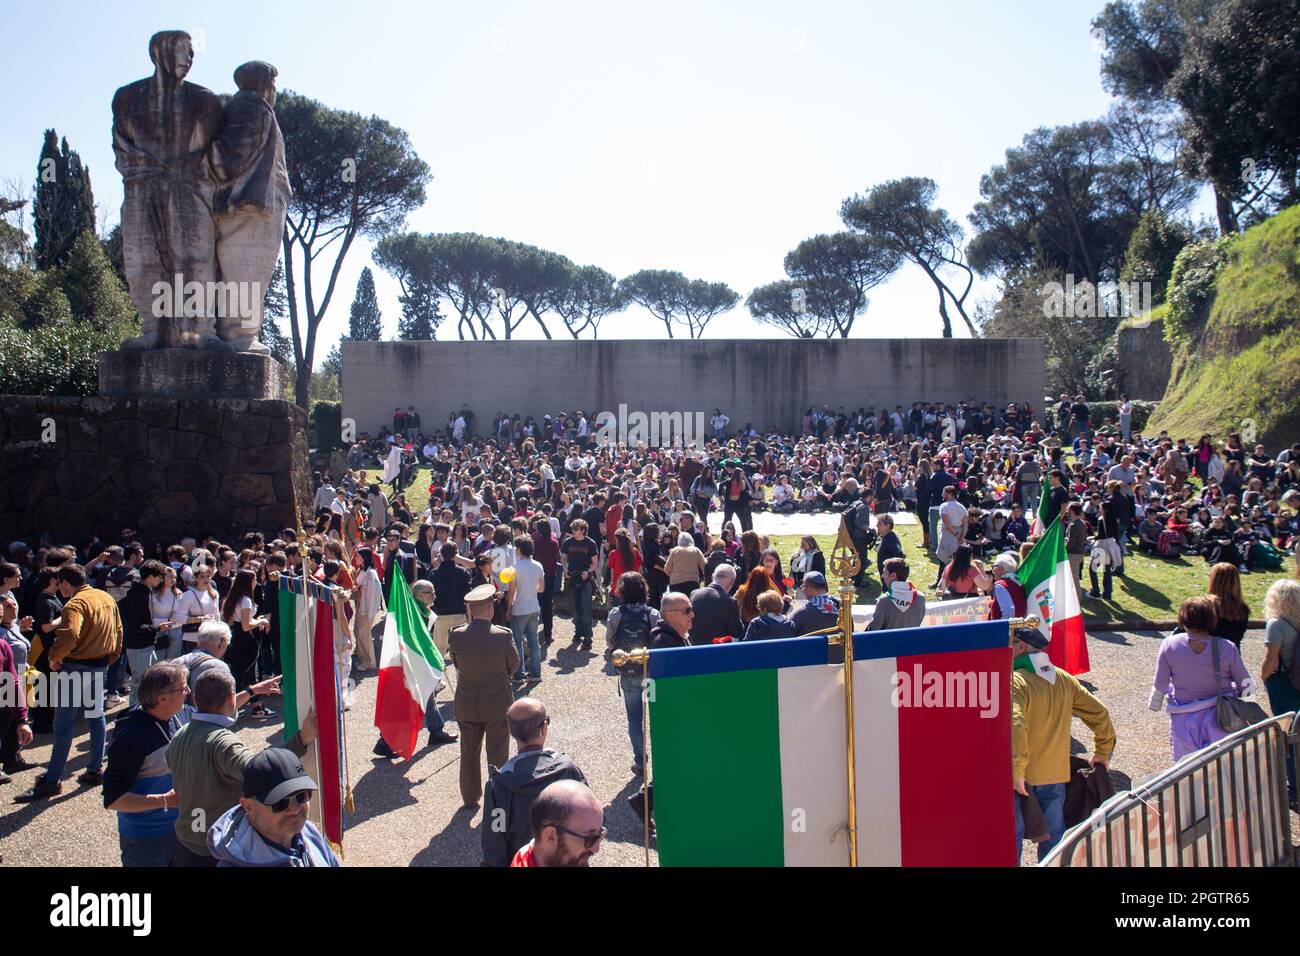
190,373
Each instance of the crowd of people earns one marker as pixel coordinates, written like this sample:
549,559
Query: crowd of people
534,515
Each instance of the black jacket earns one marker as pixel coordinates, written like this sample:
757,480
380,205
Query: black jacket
662,635
512,790
716,615
889,547
138,630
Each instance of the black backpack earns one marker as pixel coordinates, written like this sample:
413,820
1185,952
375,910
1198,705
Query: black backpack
633,632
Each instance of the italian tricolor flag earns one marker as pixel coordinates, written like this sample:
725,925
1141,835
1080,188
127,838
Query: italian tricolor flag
749,757
410,670
310,681
1053,596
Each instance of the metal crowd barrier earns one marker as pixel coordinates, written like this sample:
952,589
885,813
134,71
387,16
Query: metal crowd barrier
1226,805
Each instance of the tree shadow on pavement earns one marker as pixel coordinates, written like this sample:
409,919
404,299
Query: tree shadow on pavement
388,784
456,845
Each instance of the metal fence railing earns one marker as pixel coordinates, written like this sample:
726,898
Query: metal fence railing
1226,805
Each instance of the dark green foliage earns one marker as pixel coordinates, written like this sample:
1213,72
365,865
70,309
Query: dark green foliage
364,319
1152,249
65,205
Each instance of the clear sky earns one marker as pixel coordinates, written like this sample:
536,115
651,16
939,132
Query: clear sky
707,137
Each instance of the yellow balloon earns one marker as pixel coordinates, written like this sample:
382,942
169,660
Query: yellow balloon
507,575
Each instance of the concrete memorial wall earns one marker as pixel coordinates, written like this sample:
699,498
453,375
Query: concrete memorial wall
770,382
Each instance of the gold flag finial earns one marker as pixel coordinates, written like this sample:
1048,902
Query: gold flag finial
845,563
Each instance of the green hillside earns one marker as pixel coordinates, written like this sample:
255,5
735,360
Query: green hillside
1237,354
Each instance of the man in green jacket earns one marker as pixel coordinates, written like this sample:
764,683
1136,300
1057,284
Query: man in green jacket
207,762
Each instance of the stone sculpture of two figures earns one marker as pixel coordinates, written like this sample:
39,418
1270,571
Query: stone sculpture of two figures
206,193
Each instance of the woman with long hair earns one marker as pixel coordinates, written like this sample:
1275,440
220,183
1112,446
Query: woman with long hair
162,602
964,576
702,491
808,558
198,604
749,556
632,614
755,584
246,633
653,558
624,558
1281,635
772,564
428,550
1231,608
370,602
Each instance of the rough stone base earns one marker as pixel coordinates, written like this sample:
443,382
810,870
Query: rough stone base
190,373
162,466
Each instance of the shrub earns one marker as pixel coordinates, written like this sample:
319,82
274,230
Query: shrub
1191,287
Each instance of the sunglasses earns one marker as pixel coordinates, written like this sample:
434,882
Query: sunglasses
588,841
301,797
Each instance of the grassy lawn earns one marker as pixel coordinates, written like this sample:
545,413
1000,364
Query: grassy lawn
1151,589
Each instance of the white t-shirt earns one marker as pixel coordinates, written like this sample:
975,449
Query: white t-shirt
195,604
528,573
951,515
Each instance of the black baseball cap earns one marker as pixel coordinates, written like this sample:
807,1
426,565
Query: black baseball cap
274,774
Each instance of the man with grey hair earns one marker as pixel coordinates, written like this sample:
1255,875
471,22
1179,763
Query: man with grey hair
716,612
213,642
207,762
510,792
1009,598
138,784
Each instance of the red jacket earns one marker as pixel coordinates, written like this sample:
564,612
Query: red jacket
524,857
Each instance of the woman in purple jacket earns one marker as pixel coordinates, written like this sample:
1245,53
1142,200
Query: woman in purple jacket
1185,670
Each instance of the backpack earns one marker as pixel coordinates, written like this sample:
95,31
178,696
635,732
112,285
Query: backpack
1265,556
633,632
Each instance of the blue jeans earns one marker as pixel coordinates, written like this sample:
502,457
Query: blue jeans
433,721
147,851
116,673
1051,800
580,594
141,660
635,705
90,700
524,627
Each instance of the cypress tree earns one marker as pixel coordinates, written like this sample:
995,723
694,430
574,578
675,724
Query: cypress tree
65,204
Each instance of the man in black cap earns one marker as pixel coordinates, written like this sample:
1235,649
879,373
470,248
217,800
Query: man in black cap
486,658
269,827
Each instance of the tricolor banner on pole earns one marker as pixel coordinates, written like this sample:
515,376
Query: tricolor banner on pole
750,761
1053,596
310,680
410,670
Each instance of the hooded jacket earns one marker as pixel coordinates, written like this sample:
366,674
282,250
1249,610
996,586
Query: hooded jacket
901,606
509,797
234,842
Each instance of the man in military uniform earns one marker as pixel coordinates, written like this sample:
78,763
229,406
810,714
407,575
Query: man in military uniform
485,659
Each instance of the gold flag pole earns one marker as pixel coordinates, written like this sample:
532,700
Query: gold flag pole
845,564
640,655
